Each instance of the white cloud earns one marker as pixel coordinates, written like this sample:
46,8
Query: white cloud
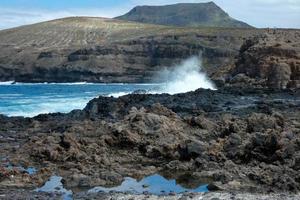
265,13
259,13
10,18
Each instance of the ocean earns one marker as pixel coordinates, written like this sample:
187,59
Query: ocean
28,100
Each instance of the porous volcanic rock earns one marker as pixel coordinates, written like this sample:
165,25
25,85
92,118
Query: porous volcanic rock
249,144
271,60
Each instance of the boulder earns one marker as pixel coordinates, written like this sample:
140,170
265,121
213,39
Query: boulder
271,60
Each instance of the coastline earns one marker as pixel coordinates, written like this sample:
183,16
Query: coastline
249,144
241,141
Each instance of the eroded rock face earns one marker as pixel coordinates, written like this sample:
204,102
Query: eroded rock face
272,60
106,50
251,144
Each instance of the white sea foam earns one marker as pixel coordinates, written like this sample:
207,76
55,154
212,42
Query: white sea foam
185,77
7,83
46,83
75,83
182,78
29,100
118,94
35,106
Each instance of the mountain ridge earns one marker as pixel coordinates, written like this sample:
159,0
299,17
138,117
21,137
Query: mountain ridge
184,14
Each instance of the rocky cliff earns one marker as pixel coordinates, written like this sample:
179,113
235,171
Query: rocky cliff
184,14
106,50
271,60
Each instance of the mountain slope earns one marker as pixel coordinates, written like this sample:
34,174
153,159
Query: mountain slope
107,50
184,14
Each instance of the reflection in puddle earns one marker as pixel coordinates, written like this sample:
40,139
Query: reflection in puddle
29,170
154,184
55,185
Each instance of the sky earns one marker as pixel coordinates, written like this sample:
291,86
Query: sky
258,13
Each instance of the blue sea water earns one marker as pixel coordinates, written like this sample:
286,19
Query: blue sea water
29,100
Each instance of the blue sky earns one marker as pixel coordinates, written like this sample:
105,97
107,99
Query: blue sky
259,13
59,4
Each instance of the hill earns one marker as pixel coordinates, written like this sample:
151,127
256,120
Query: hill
109,50
184,14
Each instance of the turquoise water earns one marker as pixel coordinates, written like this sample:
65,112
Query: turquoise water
29,100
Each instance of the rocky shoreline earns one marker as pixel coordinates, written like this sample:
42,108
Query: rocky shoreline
241,141
12,194
234,139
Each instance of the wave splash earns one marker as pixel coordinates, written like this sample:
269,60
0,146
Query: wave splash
7,83
28,100
185,77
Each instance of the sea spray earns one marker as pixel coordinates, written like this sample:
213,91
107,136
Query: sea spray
185,77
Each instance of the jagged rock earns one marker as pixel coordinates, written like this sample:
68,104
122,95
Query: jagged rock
235,145
280,76
271,60
259,122
192,150
203,123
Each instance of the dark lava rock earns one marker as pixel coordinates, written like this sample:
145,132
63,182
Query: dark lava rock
271,60
242,148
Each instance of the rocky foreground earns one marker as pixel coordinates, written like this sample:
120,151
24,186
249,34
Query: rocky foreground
235,140
102,196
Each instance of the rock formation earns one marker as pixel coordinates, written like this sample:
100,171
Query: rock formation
106,50
271,60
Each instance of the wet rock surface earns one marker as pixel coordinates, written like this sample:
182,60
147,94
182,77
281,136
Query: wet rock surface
232,139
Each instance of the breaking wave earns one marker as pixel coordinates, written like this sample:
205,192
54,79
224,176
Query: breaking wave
185,77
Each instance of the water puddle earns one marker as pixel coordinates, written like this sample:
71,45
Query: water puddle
28,170
154,184
31,170
55,185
